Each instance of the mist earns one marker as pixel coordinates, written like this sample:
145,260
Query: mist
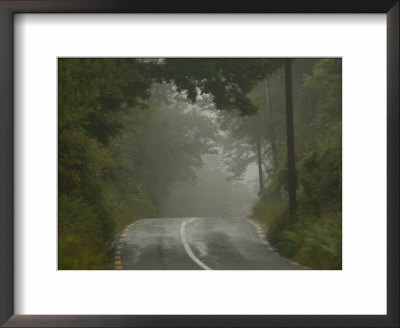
211,194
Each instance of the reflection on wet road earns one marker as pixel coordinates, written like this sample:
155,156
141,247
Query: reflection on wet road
196,244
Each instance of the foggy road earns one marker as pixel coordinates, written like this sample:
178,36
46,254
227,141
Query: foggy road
196,244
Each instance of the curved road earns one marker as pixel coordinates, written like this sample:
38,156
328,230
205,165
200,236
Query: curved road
196,244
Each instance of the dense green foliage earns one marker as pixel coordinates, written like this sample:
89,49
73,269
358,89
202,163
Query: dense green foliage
228,80
91,94
314,239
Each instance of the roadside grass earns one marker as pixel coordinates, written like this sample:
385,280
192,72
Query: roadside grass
269,211
311,240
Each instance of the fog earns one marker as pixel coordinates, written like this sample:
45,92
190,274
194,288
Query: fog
211,194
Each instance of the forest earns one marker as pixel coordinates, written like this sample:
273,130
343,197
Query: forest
200,137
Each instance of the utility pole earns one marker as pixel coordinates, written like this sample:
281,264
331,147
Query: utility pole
290,139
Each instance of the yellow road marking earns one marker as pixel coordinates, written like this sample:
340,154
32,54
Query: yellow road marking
289,260
118,249
258,228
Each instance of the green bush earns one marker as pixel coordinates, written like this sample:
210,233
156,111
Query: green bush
126,207
314,242
321,174
83,235
268,211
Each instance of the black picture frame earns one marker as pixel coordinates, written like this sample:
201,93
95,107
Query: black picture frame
10,7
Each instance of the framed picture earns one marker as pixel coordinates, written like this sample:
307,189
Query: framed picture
61,59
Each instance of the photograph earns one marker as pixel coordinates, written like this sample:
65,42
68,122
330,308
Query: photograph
145,144
199,163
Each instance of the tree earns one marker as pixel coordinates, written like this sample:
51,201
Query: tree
91,95
290,139
172,145
227,80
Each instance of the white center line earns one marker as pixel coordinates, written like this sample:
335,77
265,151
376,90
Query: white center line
187,247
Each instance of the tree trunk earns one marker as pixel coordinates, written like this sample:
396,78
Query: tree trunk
271,120
260,170
290,139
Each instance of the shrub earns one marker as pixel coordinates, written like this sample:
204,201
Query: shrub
82,235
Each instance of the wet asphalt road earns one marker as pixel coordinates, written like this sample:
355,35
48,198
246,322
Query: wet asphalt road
196,244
